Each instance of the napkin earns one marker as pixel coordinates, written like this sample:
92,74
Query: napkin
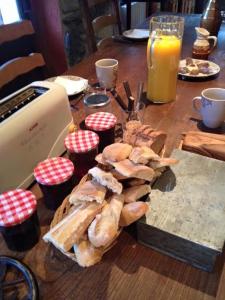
207,144
72,86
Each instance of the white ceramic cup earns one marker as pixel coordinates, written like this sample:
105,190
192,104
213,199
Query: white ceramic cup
212,106
106,71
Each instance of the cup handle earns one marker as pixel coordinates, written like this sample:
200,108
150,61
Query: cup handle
214,38
194,103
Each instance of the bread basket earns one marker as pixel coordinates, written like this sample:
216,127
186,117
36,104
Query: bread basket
64,209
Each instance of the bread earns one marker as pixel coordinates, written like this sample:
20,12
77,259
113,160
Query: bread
116,152
89,191
142,155
105,226
69,231
106,179
136,192
100,159
129,169
86,254
136,134
117,175
162,162
131,212
134,182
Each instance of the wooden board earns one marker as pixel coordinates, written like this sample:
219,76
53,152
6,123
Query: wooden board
186,219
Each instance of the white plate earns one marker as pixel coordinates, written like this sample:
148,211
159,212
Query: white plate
73,84
136,34
214,69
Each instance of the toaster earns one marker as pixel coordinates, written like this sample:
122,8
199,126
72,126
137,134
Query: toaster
33,124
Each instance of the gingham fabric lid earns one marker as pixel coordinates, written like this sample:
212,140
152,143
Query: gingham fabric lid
100,121
54,171
16,206
81,141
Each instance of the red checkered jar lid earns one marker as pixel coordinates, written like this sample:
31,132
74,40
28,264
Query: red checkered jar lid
81,141
100,121
54,171
16,206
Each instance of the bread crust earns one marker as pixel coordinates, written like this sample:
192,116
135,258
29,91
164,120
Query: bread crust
106,179
116,152
69,231
129,169
131,212
88,191
105,226
134,193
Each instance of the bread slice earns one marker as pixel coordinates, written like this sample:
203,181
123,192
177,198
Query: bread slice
129,169
106,179
163,162
134,193
105,226
69,231
116,152
88,191
142,155
131,212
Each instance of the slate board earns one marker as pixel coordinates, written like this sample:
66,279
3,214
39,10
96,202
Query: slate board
186,219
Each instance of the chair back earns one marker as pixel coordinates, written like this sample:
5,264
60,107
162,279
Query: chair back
95,25
20,64
183,6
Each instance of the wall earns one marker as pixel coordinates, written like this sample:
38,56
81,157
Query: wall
47,23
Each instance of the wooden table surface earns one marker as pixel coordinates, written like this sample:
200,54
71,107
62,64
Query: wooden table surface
130,270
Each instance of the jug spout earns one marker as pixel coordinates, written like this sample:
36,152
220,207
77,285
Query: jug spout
201,32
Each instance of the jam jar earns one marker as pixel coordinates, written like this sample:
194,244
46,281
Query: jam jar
19,222
103,123
82,148
56,179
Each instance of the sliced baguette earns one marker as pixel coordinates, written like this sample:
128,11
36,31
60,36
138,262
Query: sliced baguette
131,212
88,191
106,179
69,231
105,226
129,169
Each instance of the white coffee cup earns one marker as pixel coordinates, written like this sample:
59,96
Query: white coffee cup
106,70
212,106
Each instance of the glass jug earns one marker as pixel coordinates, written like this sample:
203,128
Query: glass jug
163,56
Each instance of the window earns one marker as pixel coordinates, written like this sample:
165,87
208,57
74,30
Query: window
8,12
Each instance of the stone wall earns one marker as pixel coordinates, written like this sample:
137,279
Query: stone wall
74,32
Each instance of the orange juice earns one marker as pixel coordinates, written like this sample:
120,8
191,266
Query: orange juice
163,62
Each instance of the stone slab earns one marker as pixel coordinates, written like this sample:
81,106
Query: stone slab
187,211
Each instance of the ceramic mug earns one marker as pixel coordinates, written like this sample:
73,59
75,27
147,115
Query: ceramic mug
212,106
106,71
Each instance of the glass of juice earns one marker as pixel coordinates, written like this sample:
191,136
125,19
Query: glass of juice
163,56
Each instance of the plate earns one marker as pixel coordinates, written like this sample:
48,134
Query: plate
214,69
136,34
73,84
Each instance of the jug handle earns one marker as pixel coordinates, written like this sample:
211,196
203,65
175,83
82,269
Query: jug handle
214,38
149,56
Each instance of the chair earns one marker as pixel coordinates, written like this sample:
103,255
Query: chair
94,26
19,62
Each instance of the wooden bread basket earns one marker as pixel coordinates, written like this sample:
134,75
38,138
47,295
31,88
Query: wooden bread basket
64,209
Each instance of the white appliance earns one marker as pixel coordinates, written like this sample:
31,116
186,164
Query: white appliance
33,124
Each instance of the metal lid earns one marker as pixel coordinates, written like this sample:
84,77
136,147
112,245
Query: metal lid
100,121
54,171
16,206
81,141
96,100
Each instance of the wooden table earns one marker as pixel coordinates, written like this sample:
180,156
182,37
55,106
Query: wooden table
130,270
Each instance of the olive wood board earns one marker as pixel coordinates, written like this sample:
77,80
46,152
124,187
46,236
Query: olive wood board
186,219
